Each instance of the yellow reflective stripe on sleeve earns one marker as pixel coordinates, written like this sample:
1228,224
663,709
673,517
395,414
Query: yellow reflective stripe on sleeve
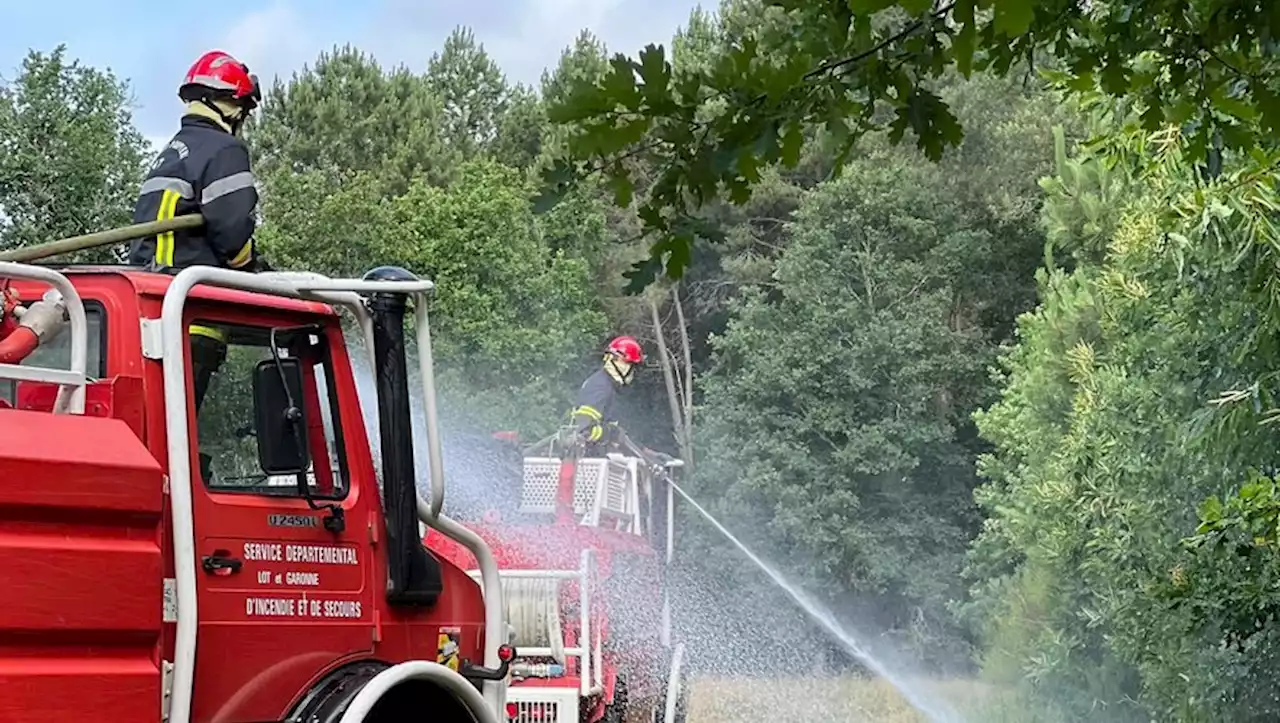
589,411
208,332
596,433
164,241
244,256
164,201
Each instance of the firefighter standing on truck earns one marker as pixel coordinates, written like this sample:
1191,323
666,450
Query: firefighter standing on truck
593,417
204,169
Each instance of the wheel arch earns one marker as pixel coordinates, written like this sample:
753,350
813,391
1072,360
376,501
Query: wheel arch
373,691
328,699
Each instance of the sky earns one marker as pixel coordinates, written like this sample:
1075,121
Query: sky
151,44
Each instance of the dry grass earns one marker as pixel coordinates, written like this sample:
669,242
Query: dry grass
820,700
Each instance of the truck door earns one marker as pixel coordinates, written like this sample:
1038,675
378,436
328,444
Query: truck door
283,586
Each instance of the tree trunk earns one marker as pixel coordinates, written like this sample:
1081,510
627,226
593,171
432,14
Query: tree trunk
686,439
668,375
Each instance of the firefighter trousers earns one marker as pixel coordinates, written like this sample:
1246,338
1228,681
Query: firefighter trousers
207,356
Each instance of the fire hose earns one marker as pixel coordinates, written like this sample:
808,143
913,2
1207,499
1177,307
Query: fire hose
101,238
16,341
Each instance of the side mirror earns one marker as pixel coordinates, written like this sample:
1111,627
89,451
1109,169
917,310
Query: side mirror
280,417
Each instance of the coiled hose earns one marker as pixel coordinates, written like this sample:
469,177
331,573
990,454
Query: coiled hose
533,611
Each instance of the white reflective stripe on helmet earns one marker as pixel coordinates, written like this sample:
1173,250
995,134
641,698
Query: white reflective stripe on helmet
210,82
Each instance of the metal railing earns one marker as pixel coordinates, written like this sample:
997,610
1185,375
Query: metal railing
588,650
597,490
71,382
628,511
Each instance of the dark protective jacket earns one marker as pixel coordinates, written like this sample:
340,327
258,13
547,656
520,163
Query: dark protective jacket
594,411
205,170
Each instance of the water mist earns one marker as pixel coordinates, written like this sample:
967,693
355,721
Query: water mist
936,711
480,476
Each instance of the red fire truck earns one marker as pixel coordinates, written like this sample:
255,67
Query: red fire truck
244,561
583,543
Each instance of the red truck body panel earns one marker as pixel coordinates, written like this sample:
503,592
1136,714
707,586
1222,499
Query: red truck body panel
80,566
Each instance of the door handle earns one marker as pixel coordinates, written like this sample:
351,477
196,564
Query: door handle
221,563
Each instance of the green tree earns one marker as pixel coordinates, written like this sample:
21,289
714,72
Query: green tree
1142,384
362,167
512,318
585,61
474,92
856,67
324,221
519,136
836,432
836,418
70,157
347,114
1223,600
608,250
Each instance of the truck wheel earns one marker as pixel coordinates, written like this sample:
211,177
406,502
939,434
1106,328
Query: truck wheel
682,706
617,712
682,710
676,663
406,702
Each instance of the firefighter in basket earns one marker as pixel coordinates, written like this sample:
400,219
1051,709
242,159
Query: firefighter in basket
593,418
205,169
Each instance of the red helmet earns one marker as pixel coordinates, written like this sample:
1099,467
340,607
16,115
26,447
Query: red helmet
627,349
218,75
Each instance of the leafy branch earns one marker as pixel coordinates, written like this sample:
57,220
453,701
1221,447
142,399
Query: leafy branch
831,72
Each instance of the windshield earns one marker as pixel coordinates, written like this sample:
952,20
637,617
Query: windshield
227,434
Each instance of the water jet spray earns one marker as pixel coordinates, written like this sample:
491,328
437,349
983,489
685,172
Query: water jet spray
934,710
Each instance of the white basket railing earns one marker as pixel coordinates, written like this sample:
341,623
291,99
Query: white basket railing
72,380
603,488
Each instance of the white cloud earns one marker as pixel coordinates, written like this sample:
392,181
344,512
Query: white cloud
273,41
523,36
545,28
548,26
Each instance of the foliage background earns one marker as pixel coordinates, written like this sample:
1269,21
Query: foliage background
1007,405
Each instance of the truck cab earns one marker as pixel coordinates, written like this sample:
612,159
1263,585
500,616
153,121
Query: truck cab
243,558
